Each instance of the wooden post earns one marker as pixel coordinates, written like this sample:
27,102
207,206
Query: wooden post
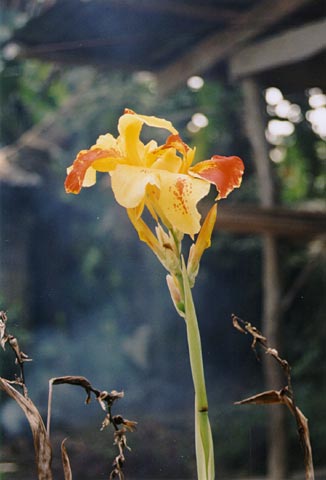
271,282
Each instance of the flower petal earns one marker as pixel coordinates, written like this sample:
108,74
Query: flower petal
152,121
179,195
106,142
129,184
224,172
84,160
90,177
129,127
175,196
168,160
177,142
174,144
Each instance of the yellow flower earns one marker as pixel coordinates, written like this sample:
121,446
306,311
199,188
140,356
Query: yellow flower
158,177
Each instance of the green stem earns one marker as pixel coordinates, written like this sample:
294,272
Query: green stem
204,441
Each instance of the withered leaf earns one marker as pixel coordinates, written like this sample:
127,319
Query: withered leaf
281,397
106,422
75,380
264,398
21,357
71,380
106,399
42,447
129,424
65,461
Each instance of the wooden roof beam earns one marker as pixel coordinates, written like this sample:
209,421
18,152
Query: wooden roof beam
294,45
198,12
276,221
220,44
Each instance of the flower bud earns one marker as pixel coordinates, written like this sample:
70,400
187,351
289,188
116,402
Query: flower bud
175,295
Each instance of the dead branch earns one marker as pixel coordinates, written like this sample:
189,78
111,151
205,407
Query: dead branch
12,341
105,400
282,397
41,435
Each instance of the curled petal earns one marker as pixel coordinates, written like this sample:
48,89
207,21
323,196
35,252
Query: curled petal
86,159
130,125
224,172
176,142
152,121
90,177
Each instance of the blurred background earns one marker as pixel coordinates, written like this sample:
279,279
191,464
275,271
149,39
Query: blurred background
85,297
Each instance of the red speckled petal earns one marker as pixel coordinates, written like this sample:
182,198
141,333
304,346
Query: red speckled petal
179,195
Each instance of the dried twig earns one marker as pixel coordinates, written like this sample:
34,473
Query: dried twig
283,397
106,400
12,341
41,435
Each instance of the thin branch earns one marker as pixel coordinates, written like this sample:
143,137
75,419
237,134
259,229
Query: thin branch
106,400
12,341
284,396
41,435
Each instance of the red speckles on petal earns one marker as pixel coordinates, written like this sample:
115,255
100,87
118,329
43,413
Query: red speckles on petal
181,191
179,195
224,172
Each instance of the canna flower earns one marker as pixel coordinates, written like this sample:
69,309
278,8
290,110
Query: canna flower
160,178
164,179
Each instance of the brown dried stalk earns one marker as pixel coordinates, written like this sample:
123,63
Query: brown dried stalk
12,341
42,446
65,461
106,400
41,435
285,396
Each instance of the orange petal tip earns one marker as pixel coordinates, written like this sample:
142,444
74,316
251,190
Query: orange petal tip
224,172
83,161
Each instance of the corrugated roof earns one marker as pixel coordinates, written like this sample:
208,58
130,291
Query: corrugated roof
142,34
